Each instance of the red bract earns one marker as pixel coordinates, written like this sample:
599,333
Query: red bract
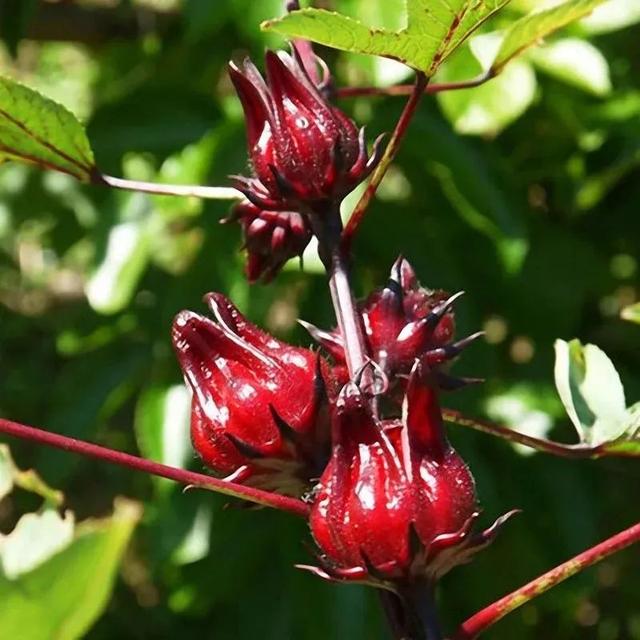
270,238
256,408
396,502
403,322
304,151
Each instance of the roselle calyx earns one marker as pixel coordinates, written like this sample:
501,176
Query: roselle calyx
270,238
402,322
305,153
396,503
258,404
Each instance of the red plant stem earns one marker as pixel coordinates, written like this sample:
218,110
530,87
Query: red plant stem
328,228
136,463
196,191
389,154
482,620
540,444
407,89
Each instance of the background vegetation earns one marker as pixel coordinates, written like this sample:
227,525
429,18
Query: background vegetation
524,193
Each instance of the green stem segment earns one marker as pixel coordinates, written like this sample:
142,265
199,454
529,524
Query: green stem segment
484,619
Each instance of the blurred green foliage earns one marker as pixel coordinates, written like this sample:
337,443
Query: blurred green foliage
536,218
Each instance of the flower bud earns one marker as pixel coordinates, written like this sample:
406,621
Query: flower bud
270,238
404,322
396,502
362,508
304,151
256,407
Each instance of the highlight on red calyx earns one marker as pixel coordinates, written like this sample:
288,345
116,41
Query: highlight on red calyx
396,503
305,152
258,403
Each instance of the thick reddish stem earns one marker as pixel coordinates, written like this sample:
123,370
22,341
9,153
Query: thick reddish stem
387,158
264,498
407,89
482,620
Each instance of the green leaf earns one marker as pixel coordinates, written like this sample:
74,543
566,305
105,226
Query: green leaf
591,391
490,108
531,29
623,447
63,597
37,130
162,425
632,422
611,16
631,313
29,480
6,471
575,62
435,28
125,259
36,538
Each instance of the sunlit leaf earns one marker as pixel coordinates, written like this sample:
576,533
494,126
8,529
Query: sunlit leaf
125,258
631,313
162,424
488,109
62,597
29,480
37,130
576,62
612,16
591,391
533,28
6,471
435,28
35,539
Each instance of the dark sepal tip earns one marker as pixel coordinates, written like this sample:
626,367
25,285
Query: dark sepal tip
247,450
285,429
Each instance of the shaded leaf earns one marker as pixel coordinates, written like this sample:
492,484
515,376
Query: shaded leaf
591,391
37,130
435,28
15,16
531,29
62,598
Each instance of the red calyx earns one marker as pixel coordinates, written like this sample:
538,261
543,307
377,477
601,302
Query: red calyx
270,238
256,408
404,322
396,502
303,150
